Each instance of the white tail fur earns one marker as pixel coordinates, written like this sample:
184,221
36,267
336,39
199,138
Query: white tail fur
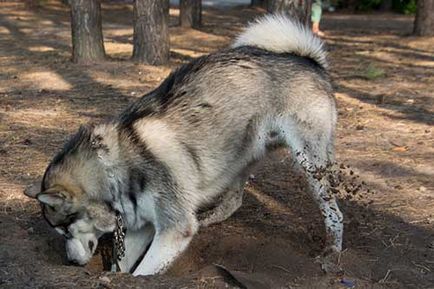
280,34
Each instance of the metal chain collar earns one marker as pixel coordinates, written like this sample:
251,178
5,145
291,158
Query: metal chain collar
118,243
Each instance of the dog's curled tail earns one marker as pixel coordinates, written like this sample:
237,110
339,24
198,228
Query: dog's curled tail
280,34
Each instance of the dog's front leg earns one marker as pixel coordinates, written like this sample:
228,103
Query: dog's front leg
167,245
136,243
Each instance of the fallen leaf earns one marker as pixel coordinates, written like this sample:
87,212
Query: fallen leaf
400,149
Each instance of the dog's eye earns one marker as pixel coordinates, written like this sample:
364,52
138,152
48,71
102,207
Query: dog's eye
63,230
60,230
49,209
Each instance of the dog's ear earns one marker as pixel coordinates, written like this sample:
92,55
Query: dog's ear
55,199
32,190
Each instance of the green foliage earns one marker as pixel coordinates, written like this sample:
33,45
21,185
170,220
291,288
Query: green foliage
405,6
367,5
373,72
400,6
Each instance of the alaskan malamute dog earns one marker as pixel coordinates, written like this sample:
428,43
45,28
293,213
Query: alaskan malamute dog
191,141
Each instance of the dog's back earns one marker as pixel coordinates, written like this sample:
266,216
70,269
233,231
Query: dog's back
223,111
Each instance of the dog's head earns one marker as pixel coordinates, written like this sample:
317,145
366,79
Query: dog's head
68,197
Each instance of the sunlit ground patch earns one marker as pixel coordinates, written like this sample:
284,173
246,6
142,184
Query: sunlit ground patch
46,80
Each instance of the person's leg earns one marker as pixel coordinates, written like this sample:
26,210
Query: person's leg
316,17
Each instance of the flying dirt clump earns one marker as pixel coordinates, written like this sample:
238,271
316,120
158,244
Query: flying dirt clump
341,179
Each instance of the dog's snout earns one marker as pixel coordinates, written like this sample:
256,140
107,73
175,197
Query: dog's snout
77,251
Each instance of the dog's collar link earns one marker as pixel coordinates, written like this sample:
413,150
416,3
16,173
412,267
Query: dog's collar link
118,243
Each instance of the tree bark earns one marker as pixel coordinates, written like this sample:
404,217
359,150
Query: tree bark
424,21
298,9
151,31
87,37
190,13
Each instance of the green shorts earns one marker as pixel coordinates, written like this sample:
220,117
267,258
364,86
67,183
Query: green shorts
316,11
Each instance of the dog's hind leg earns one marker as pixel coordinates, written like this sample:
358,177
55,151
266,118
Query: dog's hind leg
316,174
231,201
312,149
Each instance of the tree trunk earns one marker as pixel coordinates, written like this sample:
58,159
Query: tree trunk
87,38
298,9
190,13
424,21
151,31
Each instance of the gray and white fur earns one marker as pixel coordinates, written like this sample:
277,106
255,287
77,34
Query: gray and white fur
192,140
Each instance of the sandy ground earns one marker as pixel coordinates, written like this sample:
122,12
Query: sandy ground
384,82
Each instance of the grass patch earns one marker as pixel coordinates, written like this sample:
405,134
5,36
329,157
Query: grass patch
373,72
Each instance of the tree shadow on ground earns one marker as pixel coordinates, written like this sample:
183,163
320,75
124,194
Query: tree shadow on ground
418,114
394,61
362,23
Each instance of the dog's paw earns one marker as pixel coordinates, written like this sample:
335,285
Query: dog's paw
330,261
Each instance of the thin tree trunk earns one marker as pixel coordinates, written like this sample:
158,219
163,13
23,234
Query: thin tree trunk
190,13
298,9
151,31
87,38
424,21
